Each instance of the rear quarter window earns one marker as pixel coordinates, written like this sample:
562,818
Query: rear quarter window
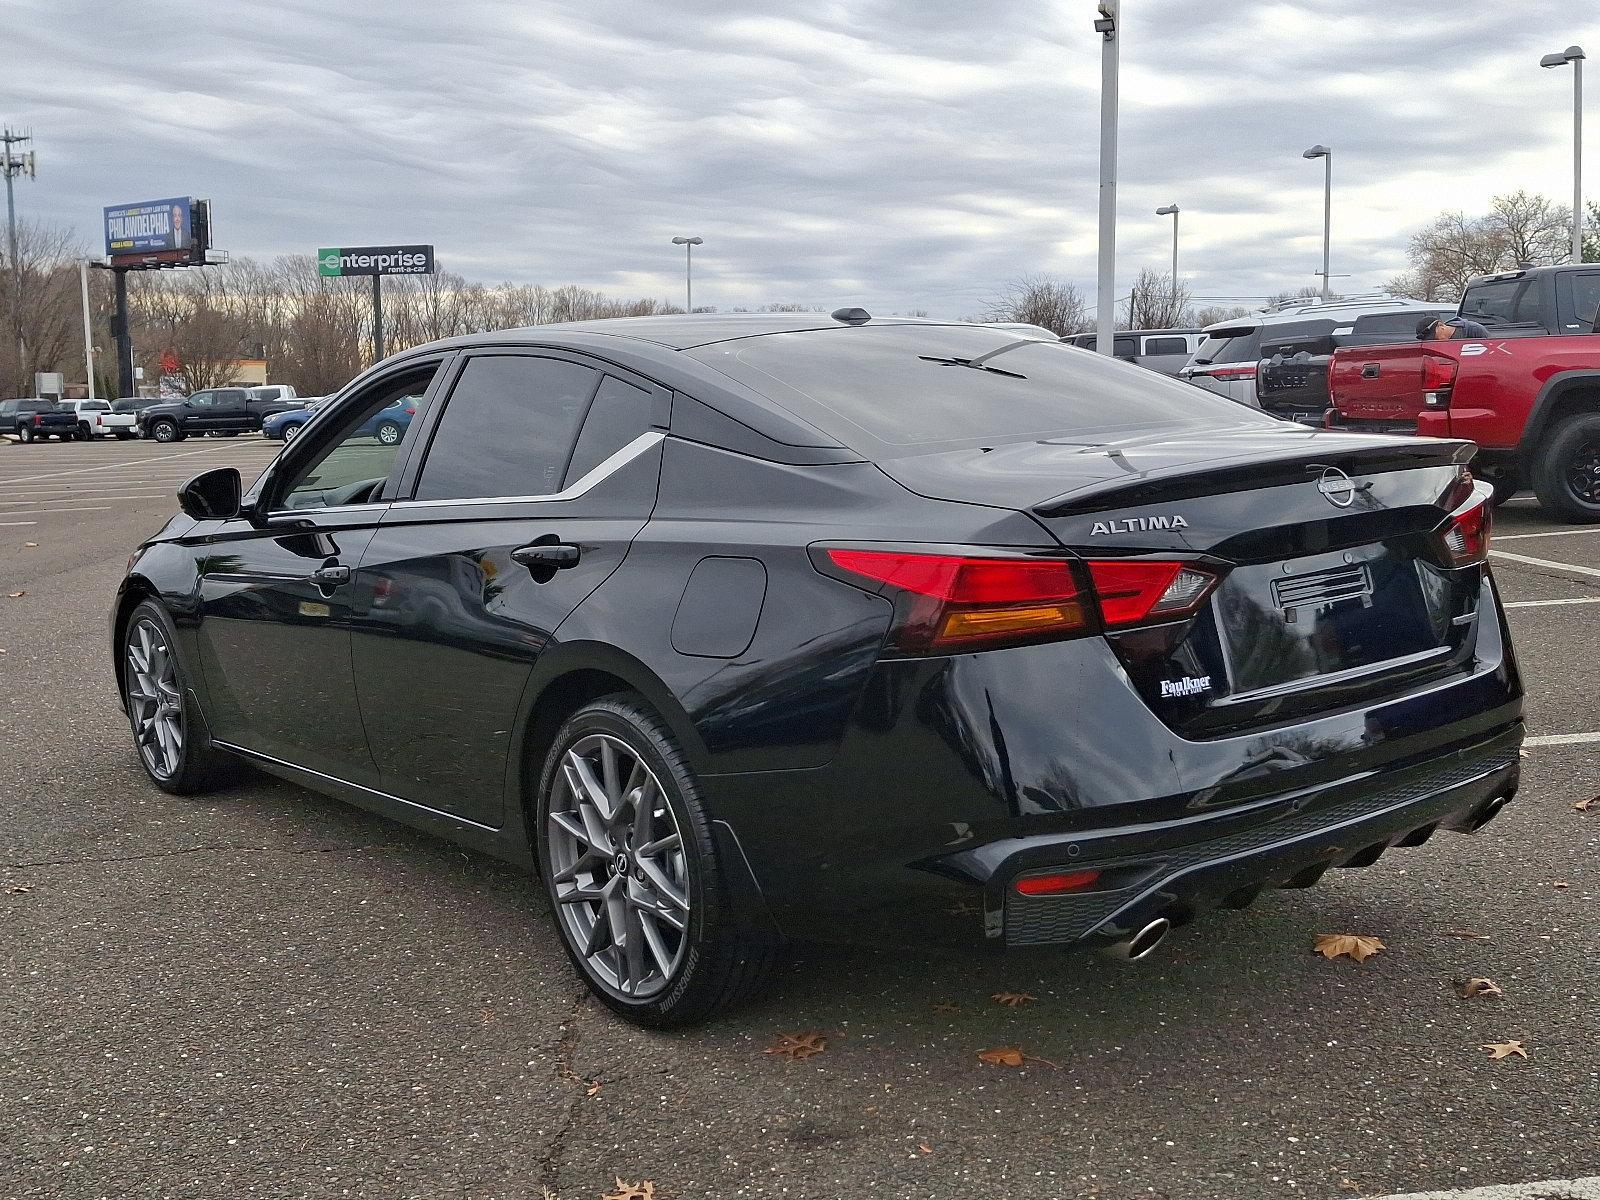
1166,345
1230,346
880,390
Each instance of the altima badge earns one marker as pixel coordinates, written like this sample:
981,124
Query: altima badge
1138,525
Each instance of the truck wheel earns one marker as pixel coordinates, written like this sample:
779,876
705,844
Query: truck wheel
1566,474
25,432
164,431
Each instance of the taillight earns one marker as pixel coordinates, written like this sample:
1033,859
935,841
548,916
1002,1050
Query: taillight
1136,591
1232,371
38,418
411,412
1438,377
948,603
957,602
1464,536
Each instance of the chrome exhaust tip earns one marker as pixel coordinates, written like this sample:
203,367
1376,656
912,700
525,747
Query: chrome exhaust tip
1142,944
1488,812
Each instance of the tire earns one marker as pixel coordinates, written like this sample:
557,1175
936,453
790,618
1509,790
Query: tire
25,433
159,702
680,977
389,433
290,430
1566,471
165,431
84,432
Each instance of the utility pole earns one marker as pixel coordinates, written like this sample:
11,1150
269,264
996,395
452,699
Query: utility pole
1106,303
14,163
688,244
88,332
1575,56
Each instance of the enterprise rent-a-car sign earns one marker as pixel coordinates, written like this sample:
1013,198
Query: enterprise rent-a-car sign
376,260
150,226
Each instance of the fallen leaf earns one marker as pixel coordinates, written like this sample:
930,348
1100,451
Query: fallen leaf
1480,987
632,1191
1465,933
1504,1049
947,1010
1586,805
798,1046
1013,999
19,889
924,1147
1010,1056
1359,946
16,595
593,1089
1560,885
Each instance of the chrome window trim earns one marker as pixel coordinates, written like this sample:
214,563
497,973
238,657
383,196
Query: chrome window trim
640,445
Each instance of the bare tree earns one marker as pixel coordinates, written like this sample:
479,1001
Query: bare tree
1215,313
1152,303
1041,300
1520,227
47,264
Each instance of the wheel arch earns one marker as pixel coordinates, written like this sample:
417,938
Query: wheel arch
134,590
1561,396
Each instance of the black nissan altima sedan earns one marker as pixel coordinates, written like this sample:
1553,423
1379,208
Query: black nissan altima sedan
747,629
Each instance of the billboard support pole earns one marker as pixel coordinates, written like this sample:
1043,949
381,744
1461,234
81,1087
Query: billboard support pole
124,342
377,318
88,330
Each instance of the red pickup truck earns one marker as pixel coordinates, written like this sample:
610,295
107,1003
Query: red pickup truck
1528,393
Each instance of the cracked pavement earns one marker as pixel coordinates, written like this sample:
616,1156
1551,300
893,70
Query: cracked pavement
264,993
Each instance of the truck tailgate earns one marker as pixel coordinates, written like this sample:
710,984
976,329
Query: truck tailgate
1382,388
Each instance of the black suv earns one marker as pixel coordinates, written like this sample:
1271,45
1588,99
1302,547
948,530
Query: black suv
743,629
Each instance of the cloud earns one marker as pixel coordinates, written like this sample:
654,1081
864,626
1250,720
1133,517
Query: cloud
895,153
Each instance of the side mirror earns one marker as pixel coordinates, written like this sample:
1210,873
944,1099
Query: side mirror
212,495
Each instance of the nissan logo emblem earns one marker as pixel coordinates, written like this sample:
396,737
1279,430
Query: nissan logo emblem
1338,487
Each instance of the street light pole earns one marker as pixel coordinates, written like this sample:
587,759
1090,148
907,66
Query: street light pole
14,164
88,334
1163,211
1106,300
688,244
1575,56
1326,155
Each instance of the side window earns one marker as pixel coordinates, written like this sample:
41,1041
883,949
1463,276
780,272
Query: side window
507,429
200,400
1125,347
620,413
352,462
1579,296
1166,345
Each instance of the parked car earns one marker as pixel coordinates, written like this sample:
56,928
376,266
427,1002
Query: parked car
1292,376
283,426
282,392
34,419
1528,393
1163,350
96,419
754,628
228,411
1227,360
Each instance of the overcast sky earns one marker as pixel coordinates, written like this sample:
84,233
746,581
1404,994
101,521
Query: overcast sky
894,153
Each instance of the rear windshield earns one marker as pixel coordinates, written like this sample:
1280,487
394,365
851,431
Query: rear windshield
1230,346
1503,302
1291,337
905,386
1384,329
95,406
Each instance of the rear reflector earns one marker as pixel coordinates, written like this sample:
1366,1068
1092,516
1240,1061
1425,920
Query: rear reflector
1465,533
1056,883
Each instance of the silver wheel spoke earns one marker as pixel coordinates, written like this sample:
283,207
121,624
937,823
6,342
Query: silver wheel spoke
155,699
652,938
664,887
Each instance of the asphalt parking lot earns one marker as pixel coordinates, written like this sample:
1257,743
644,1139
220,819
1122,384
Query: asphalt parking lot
265,993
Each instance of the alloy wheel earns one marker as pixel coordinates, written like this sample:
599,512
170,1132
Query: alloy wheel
155,699
289,431
618,872
1583,473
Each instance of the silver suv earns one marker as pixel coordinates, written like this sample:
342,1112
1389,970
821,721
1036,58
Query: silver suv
1227,358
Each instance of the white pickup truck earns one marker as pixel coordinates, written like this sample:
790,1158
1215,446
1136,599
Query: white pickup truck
95,419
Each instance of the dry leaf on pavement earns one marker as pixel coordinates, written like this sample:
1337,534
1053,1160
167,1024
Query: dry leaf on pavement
1480,987
1010,1056
1504,1049
1586,805
16,595
1560,885
924,1147
19,889
1359,946
1013,999
798,1046
632,1191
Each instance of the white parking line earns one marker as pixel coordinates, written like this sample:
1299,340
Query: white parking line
18,522
1512,537
64,512
1551,1189
113,466
1552,603
1545,562
1562,739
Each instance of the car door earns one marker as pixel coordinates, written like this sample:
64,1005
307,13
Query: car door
230,412
539,470
274,598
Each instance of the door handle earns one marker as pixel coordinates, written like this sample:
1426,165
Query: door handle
1369,370
331,576
546,554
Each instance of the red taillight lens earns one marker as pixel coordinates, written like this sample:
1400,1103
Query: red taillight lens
1233,371
1056,882
952,602
411,412
1438,372
957,602
1465,533
1133,591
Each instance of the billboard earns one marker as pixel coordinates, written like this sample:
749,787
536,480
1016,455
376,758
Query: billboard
155,227
376,260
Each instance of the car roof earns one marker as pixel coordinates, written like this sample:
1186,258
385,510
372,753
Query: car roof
1337,310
